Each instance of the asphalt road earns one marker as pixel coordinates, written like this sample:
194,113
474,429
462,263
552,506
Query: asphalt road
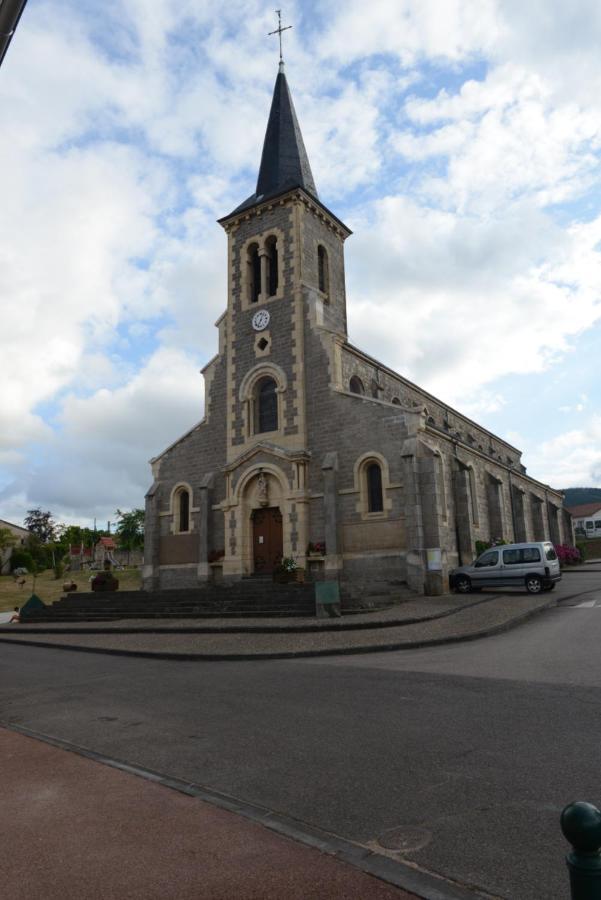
461,756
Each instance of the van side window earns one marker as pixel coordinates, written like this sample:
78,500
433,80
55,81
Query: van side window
523,555
550,553
490,558
511,557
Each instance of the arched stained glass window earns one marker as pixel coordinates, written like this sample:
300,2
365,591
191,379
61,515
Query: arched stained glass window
183,511
323,270
375,500
266,405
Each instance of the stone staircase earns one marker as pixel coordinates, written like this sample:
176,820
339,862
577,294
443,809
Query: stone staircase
250,597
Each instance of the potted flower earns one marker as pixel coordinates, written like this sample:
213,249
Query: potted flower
288,571
216,556
317,549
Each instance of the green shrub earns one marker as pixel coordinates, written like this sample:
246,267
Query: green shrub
481,546
21,559
581,546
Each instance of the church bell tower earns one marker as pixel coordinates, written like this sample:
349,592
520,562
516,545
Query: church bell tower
285,283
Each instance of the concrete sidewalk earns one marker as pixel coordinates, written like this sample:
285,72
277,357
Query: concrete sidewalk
420,622
74,828
489,614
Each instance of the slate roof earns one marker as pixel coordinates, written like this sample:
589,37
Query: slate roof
79,550
284,161
584,509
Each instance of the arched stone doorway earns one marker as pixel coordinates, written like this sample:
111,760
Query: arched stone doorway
263,518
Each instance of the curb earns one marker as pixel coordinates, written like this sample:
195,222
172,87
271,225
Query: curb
424,884
300,654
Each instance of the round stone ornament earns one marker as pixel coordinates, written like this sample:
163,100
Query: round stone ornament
260,320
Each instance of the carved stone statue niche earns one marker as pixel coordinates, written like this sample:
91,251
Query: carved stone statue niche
262,490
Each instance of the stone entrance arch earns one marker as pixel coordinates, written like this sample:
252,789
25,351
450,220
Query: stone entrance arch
263,486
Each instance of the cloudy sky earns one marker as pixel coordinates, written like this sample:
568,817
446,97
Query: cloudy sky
459,139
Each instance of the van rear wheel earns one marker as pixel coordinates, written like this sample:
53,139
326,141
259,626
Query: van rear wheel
533,584
463,584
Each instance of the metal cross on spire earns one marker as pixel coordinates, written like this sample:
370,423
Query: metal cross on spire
279,31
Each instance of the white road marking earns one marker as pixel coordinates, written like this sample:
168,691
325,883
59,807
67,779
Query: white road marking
588,604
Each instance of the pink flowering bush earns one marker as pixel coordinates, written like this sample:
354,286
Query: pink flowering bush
568,555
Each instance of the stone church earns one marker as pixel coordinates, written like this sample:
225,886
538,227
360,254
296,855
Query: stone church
310,448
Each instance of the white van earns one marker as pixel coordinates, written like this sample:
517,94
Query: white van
534,566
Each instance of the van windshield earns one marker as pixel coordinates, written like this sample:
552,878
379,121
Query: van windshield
490,558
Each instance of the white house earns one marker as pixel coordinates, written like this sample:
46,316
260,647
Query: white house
587,518
21,534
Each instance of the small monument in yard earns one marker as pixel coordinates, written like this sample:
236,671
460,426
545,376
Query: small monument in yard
105,581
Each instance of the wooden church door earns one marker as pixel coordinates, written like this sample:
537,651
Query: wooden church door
268,540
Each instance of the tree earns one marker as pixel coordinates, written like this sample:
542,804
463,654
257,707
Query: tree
41,524
42,554
130,530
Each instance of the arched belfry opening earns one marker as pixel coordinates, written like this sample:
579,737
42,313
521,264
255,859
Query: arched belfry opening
254,273
271,247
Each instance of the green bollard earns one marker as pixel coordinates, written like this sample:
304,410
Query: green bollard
581,826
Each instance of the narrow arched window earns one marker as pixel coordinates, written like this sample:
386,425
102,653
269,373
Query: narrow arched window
323,270
266,406
271,246
183,511
254,273
375,500
396,401
356,385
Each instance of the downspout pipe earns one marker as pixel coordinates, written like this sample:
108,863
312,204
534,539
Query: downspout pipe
511,502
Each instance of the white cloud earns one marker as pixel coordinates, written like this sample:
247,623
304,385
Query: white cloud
570,459
456,302
100,459
141,123
411,31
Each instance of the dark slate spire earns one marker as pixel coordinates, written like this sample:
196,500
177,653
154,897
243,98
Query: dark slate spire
284,162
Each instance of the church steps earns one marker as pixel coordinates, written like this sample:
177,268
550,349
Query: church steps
241,599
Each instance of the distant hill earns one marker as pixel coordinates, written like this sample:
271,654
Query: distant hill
576,496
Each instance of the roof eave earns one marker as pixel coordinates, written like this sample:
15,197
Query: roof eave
269,201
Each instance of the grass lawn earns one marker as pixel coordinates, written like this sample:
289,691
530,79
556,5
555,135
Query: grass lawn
49,589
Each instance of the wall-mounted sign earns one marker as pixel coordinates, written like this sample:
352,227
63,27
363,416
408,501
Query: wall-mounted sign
434,557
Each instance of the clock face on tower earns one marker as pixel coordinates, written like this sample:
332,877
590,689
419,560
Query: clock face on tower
260,319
